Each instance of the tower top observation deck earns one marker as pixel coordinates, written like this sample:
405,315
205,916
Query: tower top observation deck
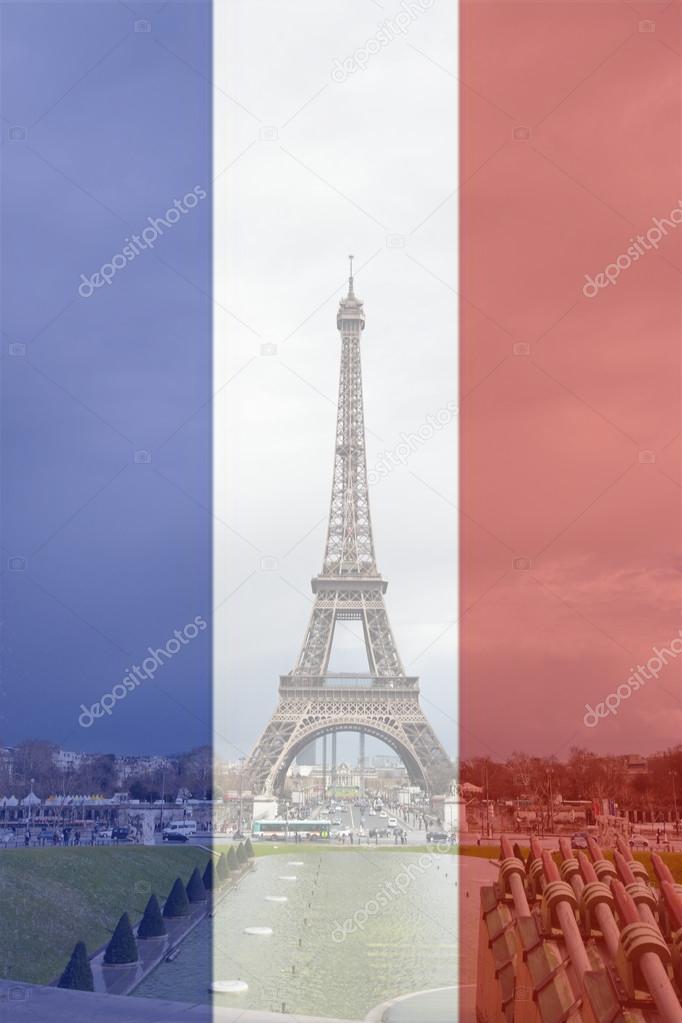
350,319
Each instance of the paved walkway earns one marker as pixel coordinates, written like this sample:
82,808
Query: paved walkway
25,1003
474,873
121,980
440,1005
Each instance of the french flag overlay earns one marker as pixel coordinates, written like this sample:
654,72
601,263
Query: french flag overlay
106,494
571,202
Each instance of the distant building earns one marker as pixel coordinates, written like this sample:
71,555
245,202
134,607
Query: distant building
7,758
66,760
636,765
131,766
386,760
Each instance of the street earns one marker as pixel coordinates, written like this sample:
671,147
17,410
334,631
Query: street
360,822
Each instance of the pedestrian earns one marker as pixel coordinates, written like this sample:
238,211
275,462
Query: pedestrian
27,837
78,838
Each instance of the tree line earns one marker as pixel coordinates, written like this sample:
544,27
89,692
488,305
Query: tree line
33,762
651,782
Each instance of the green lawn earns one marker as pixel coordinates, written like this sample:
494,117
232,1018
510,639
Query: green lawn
486,852
50,898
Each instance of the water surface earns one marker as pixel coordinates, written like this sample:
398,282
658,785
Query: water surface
358,928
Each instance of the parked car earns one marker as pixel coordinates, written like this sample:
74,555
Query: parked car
121,834
103,833
639,842
579,840
437,836
392,822
175,836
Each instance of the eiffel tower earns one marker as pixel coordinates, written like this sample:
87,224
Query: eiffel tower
384,702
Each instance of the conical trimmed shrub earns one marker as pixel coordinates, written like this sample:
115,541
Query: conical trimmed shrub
151,925
241,854
122,948
196,890
232,861
177,903
221,868
209,877
248,848
77,975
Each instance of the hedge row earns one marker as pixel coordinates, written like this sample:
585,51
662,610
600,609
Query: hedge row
122,947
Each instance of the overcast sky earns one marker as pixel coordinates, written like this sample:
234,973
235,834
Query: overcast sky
312,162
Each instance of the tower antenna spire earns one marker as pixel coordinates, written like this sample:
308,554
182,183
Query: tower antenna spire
350,276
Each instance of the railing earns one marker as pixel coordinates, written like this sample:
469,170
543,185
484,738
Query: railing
347,680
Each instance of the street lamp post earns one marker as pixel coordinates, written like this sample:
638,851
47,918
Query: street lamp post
551,805
29,803
241,794
487,805
677,819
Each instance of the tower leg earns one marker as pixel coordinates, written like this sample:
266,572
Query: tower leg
324,767
361,763
334,764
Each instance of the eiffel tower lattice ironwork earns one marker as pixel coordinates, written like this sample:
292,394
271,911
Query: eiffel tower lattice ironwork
384,702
